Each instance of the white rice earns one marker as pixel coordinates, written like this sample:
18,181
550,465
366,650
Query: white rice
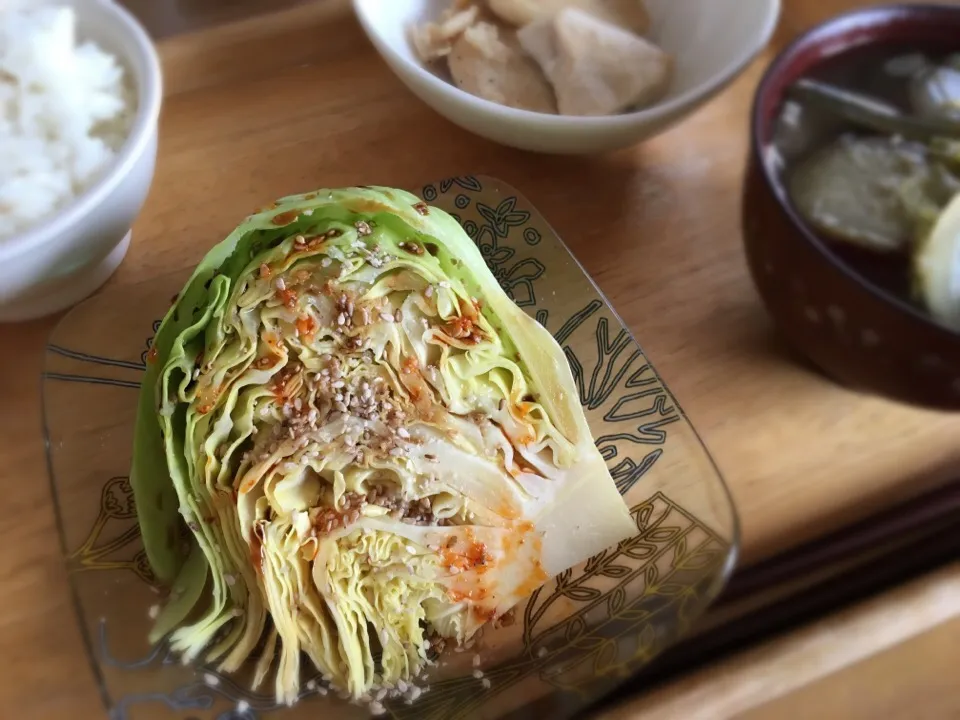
65,110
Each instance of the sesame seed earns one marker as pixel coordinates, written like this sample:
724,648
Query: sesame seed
428,292
486,683
237,612
411,549
476,661
281,285
386,317
211,679
402,685
376,708
542,652
444,284
478,674
243,706
341,319
311,685
402,432
153,612
230,579
396,452
338,384
398,315
326,262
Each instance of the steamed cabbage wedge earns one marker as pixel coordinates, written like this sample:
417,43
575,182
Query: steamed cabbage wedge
372,447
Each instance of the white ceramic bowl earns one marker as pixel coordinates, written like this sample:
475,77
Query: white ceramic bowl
64,258
712,42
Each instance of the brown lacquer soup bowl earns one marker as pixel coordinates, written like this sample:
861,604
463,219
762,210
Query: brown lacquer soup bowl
854,329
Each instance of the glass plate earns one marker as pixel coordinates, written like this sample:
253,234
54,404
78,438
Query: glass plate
573,641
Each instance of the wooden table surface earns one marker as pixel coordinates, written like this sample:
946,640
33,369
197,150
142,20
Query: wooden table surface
657,226
893,657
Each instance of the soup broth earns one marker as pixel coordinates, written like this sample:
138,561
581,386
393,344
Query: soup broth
868,148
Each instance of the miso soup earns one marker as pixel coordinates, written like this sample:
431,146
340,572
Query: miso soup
868,148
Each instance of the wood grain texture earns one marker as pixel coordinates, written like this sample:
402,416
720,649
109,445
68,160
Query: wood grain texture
166,18
915,680
872,642
296,101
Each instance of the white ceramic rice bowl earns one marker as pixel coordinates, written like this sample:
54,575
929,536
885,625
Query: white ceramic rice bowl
62,259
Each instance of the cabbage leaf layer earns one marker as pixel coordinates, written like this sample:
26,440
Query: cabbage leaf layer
369,443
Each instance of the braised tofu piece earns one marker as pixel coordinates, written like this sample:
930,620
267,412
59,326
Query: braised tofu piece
596,67
490,64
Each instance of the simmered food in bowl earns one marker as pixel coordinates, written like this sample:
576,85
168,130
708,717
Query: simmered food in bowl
567,57
868,146
373,450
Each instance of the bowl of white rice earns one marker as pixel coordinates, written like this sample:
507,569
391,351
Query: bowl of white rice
80,95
